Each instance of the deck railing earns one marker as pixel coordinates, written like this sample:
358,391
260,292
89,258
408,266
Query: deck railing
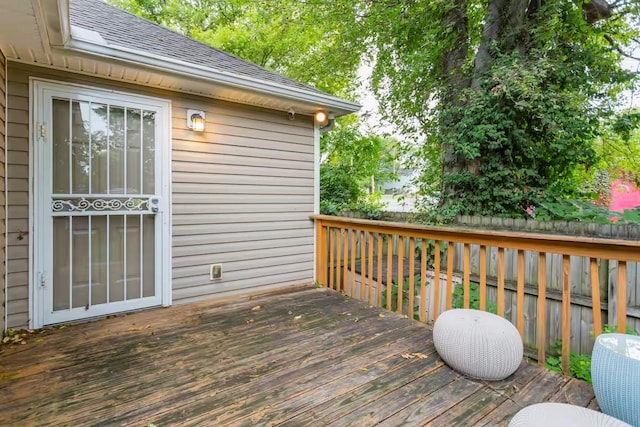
410,269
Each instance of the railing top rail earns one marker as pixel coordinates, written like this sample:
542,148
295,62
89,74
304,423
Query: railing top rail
572,245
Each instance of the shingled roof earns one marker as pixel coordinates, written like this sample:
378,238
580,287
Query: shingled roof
120,28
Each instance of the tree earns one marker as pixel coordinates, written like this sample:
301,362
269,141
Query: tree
507,96
302,40
510,93
352,164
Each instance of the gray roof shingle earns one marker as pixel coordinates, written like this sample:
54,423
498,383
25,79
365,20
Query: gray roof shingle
120,28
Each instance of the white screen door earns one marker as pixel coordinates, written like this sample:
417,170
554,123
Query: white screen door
100,204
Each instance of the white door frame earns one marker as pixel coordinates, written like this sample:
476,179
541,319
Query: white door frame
40,130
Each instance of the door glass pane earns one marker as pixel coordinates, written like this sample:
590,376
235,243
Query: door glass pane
148,262
60,263
99,261
116,150
80,264
80,159
99,129
116,258
60,123
134,141
133,257
148,151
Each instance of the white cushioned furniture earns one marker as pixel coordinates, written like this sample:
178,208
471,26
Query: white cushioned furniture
562,415
478,344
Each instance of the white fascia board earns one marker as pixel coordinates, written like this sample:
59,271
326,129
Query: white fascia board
336,105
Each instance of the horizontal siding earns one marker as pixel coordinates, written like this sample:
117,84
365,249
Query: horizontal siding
18,202
242,193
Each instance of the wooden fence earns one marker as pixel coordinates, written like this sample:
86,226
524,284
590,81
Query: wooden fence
361,258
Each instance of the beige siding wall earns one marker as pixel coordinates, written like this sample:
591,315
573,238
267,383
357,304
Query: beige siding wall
3,92
242,194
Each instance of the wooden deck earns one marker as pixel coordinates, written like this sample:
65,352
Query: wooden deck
303,357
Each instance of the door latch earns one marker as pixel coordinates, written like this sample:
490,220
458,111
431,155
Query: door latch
153,205
43,280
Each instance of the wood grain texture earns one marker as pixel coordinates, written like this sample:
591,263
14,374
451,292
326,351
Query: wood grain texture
436,287
424,304
412,273
520,294
466,272
500,281
400,276
542,312
483,277
449,288
566,311
595,297
308,356
622,297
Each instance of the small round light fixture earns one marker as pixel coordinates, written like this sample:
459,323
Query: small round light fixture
321,118
195,120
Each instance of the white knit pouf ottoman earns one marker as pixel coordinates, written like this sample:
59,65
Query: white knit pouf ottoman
478,344
562,415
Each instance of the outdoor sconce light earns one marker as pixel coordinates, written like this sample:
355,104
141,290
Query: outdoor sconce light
195,120
321,118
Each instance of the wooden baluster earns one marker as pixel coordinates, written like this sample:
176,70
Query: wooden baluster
353,263
321,257
331,257
363,272
345,263
466,271
595,297
436,280
370,271
622,297
483,277
400,274
379,272
412,273
500,299
338,259
423,281
542,307
520,294
566,312
389,269
449,294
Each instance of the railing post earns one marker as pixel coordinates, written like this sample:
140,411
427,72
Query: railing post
622,297
321,254
542,307
595,297
566,312
520,294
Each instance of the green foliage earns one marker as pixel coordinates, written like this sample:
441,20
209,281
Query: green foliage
584,211
619,147
515,126
405,297
352,164
474,298
579,364
306,41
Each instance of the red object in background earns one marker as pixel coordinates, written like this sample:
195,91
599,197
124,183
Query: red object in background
624,195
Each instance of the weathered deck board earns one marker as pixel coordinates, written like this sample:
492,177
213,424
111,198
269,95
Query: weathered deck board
306,357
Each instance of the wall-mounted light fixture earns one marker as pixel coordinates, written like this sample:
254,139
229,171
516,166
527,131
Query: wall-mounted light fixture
195,120
321,118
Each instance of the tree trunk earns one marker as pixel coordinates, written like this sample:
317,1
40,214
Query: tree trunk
503,28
